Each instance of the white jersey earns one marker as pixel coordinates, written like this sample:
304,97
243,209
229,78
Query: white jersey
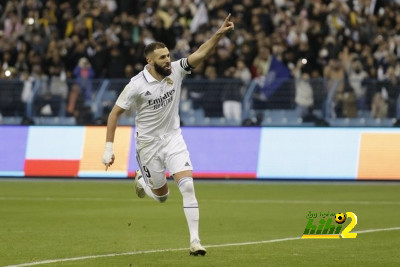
157,103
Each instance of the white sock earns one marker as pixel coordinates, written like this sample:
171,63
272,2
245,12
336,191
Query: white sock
190,206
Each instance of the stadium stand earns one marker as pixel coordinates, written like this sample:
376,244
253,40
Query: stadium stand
288,63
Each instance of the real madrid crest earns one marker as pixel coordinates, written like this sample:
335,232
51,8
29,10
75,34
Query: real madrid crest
169,81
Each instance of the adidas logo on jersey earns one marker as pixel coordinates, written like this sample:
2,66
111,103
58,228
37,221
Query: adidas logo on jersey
187,164
147,93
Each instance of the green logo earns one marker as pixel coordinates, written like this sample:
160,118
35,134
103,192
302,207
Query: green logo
328,225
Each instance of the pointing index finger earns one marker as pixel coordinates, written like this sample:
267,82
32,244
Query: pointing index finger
228,17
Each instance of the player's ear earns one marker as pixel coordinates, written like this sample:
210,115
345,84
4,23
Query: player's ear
148,59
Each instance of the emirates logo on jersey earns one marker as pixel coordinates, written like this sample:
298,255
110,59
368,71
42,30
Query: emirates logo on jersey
163,100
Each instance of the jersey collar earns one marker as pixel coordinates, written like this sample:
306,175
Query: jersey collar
148,76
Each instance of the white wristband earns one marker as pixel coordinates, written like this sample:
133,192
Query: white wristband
108,154
109,145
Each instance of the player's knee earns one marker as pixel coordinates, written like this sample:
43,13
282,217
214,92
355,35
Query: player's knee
186,185
162,198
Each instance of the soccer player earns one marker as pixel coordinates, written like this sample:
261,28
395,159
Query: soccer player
155,91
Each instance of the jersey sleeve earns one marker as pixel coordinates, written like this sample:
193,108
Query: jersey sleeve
185,66
126,98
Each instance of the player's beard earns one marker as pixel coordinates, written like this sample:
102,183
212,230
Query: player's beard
162,70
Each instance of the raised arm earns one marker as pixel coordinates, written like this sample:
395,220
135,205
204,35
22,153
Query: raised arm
206,48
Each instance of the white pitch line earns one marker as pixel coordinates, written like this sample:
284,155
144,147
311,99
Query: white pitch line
378,230
94,199
180,249
261,201
283,201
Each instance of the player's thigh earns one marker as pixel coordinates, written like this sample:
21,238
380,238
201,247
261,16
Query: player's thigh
152,169
178,157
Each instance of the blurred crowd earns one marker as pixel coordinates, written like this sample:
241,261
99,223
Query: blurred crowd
353,45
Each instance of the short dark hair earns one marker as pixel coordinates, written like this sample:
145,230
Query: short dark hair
153,46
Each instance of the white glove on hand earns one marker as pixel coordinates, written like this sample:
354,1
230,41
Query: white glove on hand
108,156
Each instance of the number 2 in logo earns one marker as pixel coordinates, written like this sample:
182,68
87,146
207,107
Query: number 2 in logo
346,231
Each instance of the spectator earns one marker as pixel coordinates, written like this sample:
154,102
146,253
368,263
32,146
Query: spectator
27,90
243,73
10,94
7,61
84,74
21,64
197,93
379,107
391,86
348,101
212,100
116,64
129,71
335,79
98,57
41,92
13,27
248,52
261,62
304,98
356,78
51,93
318,86
233,93
80,95
58,87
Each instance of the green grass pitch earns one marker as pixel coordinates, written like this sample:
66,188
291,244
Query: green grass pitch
103,223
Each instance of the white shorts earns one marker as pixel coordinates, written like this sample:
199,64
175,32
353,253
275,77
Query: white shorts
160,155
